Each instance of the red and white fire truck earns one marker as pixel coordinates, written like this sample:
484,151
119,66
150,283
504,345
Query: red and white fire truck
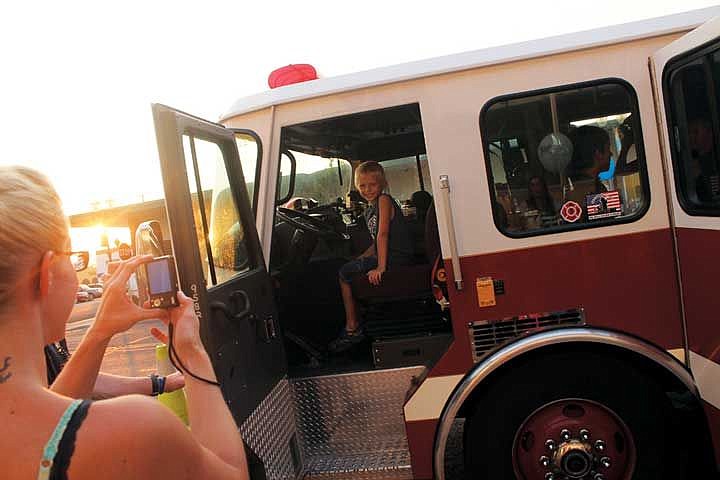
559,319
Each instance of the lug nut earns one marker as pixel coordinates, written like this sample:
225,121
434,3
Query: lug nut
605,462
584,435
550,445
600,446
565,435
544,461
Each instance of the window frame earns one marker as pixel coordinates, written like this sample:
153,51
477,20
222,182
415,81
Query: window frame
639,146
258,164
254,258
676,62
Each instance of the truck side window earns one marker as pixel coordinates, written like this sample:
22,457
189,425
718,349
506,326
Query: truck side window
219,228
565,158
250,150
691,85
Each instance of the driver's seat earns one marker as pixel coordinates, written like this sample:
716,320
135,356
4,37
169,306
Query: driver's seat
405,283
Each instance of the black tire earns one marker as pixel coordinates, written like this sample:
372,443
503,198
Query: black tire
617,383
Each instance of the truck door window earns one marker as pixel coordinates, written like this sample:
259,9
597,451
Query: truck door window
691,85
218,225
565,158
250,152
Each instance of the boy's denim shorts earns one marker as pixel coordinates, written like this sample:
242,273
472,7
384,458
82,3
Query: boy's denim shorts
358,265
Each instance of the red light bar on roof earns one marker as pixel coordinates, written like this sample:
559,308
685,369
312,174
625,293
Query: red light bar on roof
301,72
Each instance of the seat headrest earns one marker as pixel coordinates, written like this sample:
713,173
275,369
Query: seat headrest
432,237
421,199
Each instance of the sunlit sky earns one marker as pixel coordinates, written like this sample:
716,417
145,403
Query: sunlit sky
78,77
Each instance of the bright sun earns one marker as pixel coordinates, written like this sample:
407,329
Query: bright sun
90,238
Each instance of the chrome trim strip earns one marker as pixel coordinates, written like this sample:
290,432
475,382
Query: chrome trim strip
450,227
533,342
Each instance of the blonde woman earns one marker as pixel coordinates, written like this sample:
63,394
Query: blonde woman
48,434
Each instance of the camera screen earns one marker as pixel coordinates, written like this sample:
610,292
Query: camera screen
159,280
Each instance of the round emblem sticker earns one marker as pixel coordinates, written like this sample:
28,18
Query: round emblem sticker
571,211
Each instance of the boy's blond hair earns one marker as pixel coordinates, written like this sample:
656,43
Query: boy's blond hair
372,167
31,223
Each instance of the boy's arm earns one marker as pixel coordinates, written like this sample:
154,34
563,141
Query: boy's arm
385,215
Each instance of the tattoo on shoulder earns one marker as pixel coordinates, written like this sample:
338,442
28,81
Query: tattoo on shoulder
5,372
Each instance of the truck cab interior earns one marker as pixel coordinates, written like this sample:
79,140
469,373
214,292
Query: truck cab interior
319,226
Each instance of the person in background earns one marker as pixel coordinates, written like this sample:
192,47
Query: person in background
108,385
51,434
591,155
703,169
627,158
540,200
391,246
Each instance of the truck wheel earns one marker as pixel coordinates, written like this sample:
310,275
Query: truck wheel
567,416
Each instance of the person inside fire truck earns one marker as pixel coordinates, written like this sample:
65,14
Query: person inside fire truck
591,155
52,435
703,169
391,247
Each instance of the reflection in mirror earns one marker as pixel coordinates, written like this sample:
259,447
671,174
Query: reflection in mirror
80,260
148,241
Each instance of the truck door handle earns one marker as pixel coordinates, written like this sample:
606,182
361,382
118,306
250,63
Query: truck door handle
242,303
240,300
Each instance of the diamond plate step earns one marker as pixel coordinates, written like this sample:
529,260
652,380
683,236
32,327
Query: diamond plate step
351,426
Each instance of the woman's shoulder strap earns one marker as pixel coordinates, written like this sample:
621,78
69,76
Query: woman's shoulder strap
51,447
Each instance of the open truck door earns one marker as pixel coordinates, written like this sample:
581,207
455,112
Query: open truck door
221,266
686,77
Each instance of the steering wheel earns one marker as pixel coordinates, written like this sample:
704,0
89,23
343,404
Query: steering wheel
310,224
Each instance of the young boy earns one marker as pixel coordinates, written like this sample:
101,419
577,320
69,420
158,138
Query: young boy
391,246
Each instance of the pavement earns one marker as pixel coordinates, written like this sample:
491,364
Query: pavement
130,353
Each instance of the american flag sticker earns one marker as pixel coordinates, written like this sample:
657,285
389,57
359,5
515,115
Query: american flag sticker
603,205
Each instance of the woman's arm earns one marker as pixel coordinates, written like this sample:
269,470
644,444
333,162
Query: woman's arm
210,420
385,213
116,314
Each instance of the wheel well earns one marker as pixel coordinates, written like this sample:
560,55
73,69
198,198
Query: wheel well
667,380
688,413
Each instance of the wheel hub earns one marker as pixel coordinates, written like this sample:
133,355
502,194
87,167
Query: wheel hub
573,439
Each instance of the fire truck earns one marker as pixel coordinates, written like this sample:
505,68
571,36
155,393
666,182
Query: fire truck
563,197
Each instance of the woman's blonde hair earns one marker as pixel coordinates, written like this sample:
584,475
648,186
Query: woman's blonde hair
31,223
373,167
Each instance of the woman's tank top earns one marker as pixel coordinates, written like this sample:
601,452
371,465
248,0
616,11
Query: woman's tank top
59,449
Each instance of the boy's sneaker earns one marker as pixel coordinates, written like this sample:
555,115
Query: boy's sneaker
347,340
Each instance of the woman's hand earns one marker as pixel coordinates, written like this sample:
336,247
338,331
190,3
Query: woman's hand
117,312
375,276
186,327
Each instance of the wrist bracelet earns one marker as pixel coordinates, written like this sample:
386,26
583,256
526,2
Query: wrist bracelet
158,385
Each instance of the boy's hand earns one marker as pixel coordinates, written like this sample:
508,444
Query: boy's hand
375,276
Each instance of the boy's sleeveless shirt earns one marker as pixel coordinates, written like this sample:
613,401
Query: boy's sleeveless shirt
400,248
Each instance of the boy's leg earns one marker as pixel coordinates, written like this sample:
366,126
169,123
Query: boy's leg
353,332
351,320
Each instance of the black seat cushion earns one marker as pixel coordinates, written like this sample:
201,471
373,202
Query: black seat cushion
404,282
397,283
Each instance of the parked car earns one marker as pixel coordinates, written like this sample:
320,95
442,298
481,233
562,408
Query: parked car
97,289
82,296
92,292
